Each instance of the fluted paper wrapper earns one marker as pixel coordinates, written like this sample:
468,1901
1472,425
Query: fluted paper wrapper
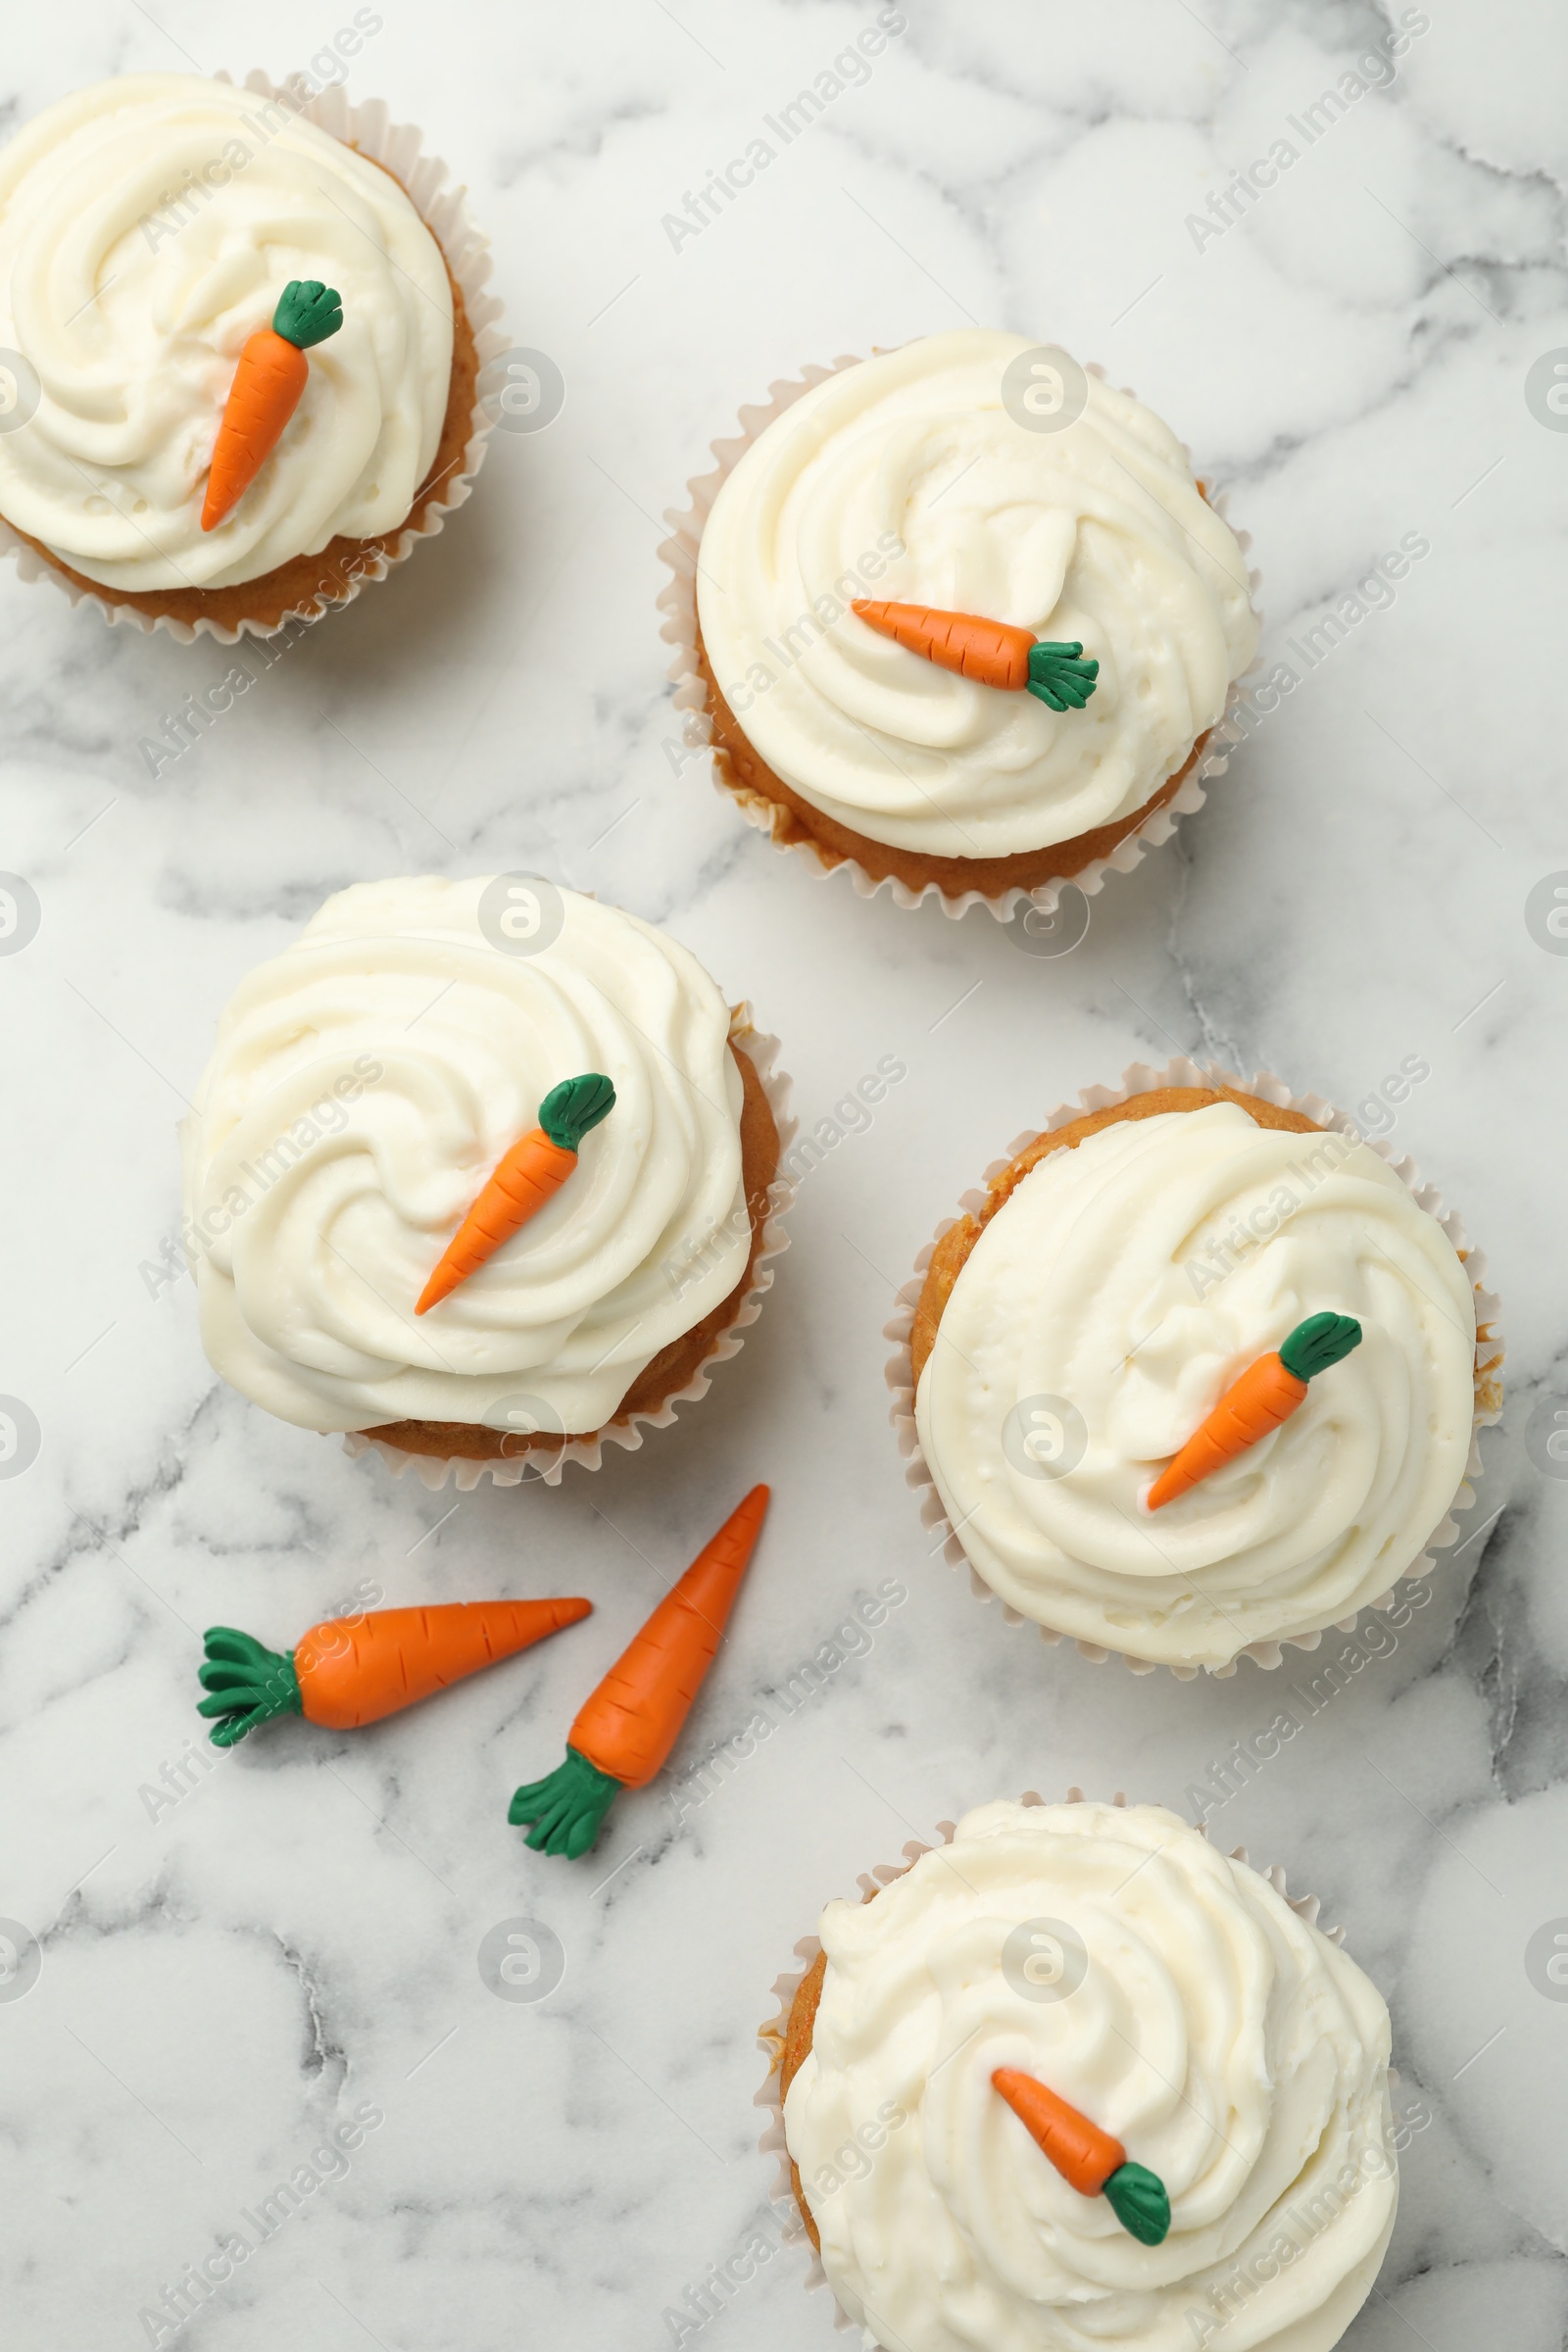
678,604
771,2034
1141,1079
398,148
435,1470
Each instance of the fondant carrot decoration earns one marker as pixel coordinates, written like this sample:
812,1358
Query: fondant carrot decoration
352,1670
1087,2159
991,650
1266,1394
531,1173
266,391
628,1727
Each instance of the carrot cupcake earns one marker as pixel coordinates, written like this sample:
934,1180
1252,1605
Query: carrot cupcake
964,618
151,229
482,1171
1075,2078
1197,1375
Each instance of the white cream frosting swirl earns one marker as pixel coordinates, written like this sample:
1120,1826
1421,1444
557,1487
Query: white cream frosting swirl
1179,2002
364,1085
1132,1278
147,227
905,477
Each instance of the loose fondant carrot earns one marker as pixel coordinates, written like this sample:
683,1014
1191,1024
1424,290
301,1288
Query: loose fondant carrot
531,1173
266,391
1087,2159
349,1671
993,651
628,1728
1266,1394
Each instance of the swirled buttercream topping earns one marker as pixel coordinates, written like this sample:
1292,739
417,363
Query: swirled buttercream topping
364,1084
148,227
1105,1310
909,478
1171,1995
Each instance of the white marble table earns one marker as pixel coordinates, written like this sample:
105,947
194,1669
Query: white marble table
255,1953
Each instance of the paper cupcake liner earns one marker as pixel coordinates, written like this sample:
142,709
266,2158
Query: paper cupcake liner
1141,1079
398,147
678,603
771,2035
435,1471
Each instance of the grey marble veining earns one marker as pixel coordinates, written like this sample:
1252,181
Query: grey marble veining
236,1957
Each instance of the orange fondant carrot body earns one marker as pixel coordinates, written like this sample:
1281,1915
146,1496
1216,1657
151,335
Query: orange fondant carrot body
531,1173
355,1670
526,1177
994,652
350,1671
991,650
271,373
1268,1394
1083,2154
628,1727
1264,1395
634,1718
1087,2159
